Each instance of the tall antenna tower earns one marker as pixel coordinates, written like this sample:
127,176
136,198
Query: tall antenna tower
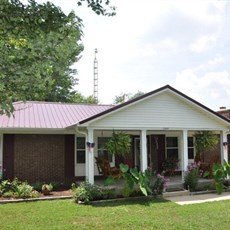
95,74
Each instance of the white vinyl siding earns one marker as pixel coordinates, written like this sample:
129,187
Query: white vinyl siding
163,111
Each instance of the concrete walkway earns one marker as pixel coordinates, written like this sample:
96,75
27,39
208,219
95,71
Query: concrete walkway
201,198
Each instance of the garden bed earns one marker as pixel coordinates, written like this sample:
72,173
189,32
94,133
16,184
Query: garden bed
62,194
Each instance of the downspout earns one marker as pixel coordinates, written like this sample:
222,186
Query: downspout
86,155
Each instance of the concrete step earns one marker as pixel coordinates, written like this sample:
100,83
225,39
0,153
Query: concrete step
176,193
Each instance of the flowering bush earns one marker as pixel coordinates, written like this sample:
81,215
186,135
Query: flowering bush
159,183
192,175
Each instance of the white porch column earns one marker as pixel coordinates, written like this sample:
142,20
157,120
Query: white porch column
144,162
223,146
90,158
184,152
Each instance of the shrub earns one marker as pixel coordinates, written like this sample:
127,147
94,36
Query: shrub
192,176
148,182
16,188
34,194
9,186
107,193
56,185
8,194
23,190
37,186
220,176
86,192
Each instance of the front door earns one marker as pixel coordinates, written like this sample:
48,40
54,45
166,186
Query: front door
156,150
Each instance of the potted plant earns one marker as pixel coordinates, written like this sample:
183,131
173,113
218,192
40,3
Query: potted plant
47,188
204,141
170,165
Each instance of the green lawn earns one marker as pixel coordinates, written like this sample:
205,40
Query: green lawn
65,214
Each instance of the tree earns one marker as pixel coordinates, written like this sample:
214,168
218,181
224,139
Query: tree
79,98
123,97
38,45
100,7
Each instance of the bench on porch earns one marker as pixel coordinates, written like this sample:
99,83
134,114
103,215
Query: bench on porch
106,170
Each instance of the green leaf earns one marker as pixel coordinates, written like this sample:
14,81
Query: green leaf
219,188
124,168
218,175
109,181
143,190
135,173
206,174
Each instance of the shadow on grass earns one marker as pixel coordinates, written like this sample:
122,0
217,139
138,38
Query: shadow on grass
146,201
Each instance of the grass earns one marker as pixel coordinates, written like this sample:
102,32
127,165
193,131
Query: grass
65,214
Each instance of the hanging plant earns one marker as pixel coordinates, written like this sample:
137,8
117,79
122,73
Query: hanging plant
205,141
119,144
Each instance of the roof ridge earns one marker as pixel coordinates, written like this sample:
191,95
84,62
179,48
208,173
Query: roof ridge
66,103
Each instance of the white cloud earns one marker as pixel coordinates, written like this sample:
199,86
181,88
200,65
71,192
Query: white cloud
203,43
213,86
215,62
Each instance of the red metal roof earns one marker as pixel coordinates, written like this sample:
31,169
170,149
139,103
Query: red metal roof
49,114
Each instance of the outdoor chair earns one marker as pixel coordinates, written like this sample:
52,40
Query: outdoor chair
106,170
207,165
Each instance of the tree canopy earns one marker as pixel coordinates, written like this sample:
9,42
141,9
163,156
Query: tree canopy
38,45
123,97
77,97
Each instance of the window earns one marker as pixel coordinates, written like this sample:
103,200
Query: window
102,152
81,150
191,148
172,147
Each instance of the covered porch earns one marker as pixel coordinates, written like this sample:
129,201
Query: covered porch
149,149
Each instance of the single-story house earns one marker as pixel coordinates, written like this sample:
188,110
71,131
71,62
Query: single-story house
46,141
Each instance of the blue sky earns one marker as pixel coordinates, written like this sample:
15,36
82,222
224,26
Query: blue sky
151,43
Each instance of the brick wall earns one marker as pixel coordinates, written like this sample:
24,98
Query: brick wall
39,156
225,113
